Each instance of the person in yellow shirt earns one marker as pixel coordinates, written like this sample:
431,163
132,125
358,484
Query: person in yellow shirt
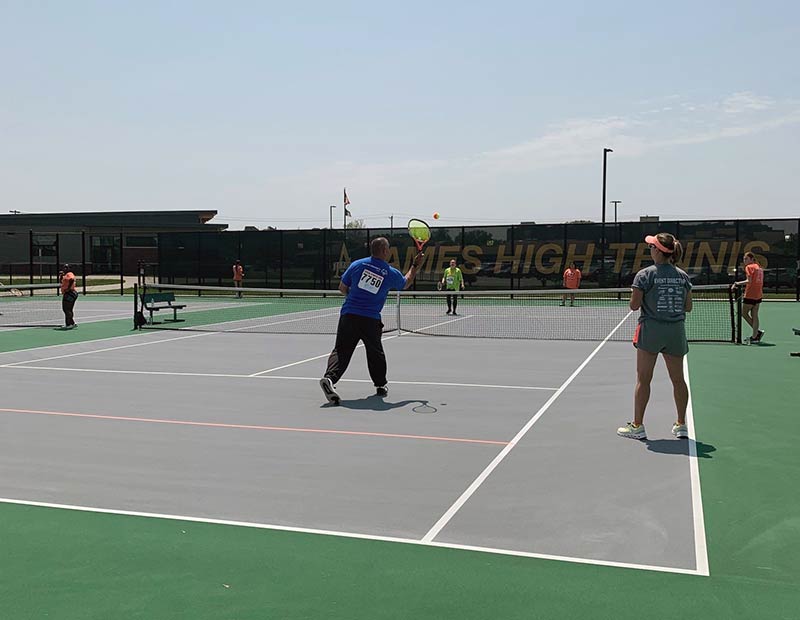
452,280
571,280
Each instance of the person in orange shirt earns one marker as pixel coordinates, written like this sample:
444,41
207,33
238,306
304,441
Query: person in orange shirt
238,276
69,295
571,280
753,294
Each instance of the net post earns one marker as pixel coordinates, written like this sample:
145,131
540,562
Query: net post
83,261
738,319
732,310
30,257
121,265
399,327
135,304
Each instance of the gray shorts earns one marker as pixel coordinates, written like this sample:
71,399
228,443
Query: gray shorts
661,337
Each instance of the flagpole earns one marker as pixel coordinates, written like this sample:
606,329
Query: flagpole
344,208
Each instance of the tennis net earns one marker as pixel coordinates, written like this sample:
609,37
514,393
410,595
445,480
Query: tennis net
520,314
30,305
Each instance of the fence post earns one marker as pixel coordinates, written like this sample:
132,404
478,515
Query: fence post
121,267
30,256
513,253
83,259
58,255
324,281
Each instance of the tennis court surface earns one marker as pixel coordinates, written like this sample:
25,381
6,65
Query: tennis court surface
486,448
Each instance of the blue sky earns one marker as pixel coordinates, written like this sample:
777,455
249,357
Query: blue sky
485,112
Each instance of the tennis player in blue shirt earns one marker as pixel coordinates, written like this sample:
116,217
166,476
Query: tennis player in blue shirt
366,283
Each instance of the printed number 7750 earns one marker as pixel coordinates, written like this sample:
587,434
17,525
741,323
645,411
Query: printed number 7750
369,279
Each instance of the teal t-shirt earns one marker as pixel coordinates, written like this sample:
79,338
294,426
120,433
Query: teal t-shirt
665,288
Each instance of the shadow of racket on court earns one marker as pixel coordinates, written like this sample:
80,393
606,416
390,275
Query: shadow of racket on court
680,447
376,403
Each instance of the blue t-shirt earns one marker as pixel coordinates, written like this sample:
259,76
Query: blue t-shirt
665,289
370,280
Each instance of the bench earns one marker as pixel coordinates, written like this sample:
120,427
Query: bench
154,302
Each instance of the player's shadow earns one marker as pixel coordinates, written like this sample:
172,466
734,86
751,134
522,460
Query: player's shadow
376,403
680,446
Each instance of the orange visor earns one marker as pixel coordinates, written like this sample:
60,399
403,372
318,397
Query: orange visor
652,240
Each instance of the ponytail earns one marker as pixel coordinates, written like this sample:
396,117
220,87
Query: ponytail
677,255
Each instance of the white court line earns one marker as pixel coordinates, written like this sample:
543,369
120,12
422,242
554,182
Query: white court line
285,377
125,346
111,371
241,329
450,513
83,318
149,342
311,359
303,318
79,342
700,548
461,318
140,334
353,535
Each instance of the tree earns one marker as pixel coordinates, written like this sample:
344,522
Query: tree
355,223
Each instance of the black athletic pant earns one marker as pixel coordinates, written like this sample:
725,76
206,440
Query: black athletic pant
352,328
68,306
452,302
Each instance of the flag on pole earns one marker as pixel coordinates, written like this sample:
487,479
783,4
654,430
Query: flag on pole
346,202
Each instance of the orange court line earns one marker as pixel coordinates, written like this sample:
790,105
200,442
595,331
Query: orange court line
253,426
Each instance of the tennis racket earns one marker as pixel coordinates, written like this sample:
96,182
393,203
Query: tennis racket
420,232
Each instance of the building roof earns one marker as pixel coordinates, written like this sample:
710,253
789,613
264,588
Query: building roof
136,220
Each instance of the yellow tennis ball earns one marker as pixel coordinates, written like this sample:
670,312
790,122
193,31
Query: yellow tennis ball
436,215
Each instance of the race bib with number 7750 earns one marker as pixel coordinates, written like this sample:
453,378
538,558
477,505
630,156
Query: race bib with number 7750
370,281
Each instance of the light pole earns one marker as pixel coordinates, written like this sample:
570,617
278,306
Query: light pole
330,213
615,203
603,232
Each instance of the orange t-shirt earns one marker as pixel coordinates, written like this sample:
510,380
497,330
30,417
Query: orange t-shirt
67,282
572,278
238,273
755,284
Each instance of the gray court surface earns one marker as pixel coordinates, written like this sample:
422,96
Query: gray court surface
234,427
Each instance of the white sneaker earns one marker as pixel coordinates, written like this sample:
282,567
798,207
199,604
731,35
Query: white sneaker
680,431
632,432
330,392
